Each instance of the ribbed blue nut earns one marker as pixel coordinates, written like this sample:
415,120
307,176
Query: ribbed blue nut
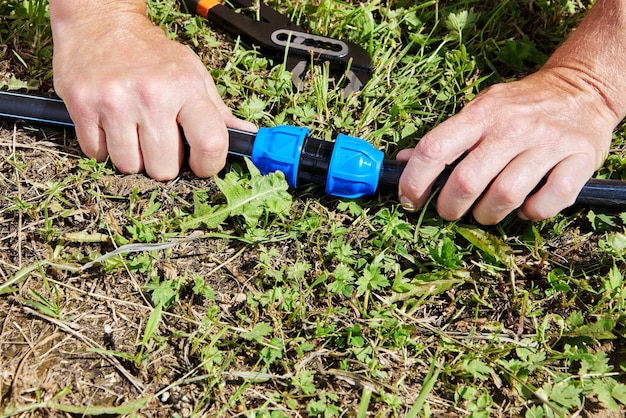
354,168
278,149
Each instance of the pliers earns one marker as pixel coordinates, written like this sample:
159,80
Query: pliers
279,38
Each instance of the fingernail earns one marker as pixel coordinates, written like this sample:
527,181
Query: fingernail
407,204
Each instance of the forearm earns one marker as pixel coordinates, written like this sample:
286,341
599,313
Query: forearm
592,58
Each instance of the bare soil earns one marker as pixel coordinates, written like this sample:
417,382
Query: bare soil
40,356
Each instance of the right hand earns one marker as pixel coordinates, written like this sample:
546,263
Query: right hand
511,137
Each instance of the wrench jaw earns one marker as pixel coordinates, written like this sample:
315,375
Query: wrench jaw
356,81
298,72
350,82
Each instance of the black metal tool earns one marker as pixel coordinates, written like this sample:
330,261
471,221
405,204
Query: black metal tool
349,167
279,38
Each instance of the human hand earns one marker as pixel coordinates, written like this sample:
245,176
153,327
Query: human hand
512,136
129,88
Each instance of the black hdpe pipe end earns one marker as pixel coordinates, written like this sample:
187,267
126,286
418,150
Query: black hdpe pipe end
315,155
35,109
52,111
604,193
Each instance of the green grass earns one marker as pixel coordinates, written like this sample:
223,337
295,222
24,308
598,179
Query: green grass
268,304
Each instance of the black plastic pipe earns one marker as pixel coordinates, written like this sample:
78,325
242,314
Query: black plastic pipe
315,154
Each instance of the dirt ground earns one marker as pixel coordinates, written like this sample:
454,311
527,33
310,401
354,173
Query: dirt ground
40,355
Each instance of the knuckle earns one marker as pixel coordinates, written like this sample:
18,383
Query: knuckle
429,150
207,157
560,194
565,189
592,151
466,187
188,78
209,153
80,102
78,95
113,103
212,148
149,95
508,197
518,128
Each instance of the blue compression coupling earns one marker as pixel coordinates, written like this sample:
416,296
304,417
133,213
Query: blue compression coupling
354,168
278,149
351,170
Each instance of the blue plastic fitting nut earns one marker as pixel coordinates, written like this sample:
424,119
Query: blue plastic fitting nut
354,168
278,149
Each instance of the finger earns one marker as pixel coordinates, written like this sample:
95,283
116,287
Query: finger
404,154
561,189
91,137
442,146
123,145
230,120
92,140
161,149
243,125
511,187
234,122
207,136
473,175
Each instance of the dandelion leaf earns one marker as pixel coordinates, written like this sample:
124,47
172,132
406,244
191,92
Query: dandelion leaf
250,197
489,244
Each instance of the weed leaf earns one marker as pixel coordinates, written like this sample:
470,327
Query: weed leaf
535,411
163,293
488,244
566,394
602,329
372,279
254,197
614,243
459,22
608,391
248,197
619,392
429,284
476,368
210,216
260,330
152,324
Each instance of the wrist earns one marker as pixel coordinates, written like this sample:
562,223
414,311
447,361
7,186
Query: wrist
590,93
592,60
72,20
